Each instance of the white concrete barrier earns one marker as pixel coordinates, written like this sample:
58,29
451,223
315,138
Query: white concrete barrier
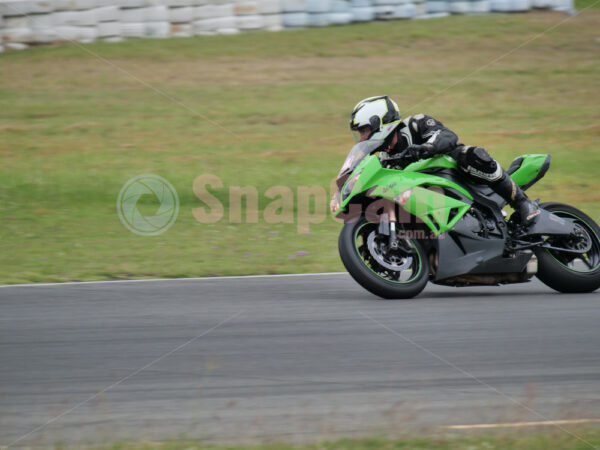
16,22
182,30
436,7
318,6
319,19
564,5
15,46
159,30
181,14
76,33
269,7
254,22
39,21
12,35
224,10
363,13
295,20
44,35
25,22
273,22
341,12
341,18
293,6
107,13
39,6
480,7
459,6
132,3
420,9
109,29
131,15
179,3
85,18
217,25
433,16
406,11
246,8
384,12
78,5
9,8
133,29
520,5
159,13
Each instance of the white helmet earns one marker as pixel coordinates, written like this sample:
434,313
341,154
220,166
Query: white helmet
380,114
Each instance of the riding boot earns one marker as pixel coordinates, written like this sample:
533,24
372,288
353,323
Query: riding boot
506,188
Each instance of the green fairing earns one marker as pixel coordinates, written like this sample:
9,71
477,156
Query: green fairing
445,162
530,167
433,208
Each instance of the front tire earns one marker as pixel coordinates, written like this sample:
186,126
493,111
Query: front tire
568,272
399,273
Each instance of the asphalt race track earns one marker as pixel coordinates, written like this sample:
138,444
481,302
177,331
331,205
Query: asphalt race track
287,358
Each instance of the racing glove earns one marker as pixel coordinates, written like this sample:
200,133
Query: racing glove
411,154
416,152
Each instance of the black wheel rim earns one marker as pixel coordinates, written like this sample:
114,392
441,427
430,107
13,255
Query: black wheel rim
402,265
587,262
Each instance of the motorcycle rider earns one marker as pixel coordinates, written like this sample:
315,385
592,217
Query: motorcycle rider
421,136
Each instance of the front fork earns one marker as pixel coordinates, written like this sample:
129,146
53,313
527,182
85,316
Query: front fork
387,226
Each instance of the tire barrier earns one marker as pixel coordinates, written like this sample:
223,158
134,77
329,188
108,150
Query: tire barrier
24,23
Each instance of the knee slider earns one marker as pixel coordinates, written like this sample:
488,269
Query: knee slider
480,160
478,163
481,157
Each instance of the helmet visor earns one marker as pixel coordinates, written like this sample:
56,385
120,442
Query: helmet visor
361,134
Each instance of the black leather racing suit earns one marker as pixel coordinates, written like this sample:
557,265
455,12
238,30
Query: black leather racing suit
474,161
432,138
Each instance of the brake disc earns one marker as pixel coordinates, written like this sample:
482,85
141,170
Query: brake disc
395,260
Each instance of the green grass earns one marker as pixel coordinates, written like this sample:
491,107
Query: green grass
76,122
579,440
581,4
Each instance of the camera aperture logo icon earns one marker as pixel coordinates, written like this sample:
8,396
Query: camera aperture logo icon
165,215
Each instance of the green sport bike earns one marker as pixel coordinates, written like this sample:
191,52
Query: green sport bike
424,221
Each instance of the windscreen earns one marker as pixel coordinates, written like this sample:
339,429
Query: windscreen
356,155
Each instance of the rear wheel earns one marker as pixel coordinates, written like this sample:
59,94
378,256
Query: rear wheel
397,272
577,271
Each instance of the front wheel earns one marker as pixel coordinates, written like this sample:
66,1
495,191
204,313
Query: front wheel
397,272
577,271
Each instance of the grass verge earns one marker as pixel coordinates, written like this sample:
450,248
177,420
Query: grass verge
581,440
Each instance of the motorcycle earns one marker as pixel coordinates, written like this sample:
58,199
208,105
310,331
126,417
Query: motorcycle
422,221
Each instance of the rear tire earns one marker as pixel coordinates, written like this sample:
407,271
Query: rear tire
360,245
565,272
